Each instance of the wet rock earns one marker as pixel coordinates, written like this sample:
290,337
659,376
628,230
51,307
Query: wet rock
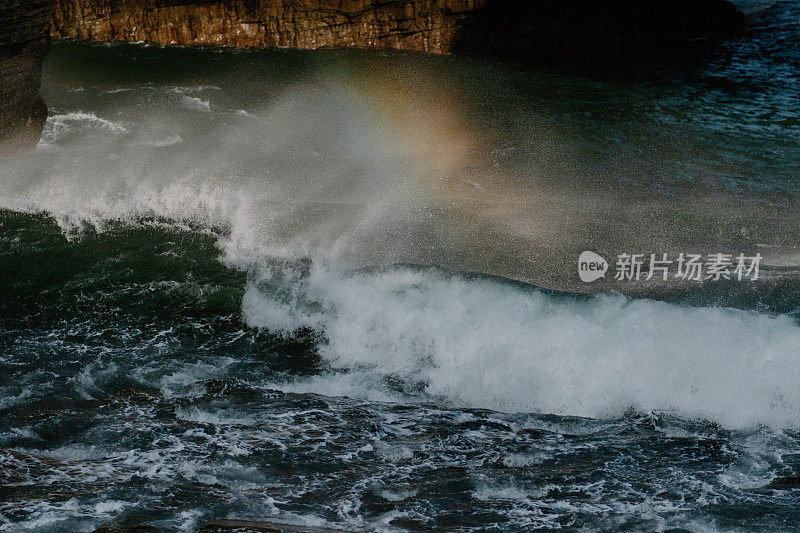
536,28
532,29
24,40
579,29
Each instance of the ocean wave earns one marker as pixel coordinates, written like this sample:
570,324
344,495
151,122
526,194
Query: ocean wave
61,126
476,341
326,173
180,89
489,344
193,102
168,140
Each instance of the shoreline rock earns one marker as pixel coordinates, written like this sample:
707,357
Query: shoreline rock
24,41
533,28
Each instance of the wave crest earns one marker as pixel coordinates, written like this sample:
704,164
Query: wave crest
490,344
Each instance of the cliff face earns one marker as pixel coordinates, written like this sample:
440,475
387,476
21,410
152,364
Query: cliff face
528,28
424,25
24,39
531,27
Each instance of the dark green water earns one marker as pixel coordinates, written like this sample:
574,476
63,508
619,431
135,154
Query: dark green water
277,285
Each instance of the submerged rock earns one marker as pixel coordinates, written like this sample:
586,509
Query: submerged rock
537,28
24,39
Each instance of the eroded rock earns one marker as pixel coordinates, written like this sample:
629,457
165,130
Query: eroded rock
24,40
531,27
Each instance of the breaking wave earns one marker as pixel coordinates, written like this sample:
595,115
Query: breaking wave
321,176
473,340
60,127
490,343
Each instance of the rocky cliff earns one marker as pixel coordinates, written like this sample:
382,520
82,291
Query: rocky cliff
529,28
24,38
536,28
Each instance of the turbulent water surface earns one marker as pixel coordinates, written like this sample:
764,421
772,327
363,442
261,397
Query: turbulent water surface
340,288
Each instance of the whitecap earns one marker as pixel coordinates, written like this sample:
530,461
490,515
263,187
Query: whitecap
169,140
61,126
483,343
198,104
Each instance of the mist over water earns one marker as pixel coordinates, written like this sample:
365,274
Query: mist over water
365,159
340,287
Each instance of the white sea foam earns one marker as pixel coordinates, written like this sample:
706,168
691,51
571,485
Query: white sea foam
285,184
192,102
57,127
485,343
397,495
180,89
169,140
477,342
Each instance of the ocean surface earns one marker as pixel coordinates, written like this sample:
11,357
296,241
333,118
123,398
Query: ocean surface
340,288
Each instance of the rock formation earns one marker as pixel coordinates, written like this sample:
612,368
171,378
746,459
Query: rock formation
535,28
24,39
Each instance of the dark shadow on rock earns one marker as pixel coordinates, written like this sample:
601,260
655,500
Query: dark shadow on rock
588,30
24,40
